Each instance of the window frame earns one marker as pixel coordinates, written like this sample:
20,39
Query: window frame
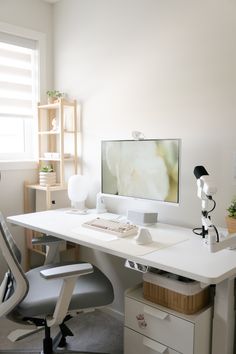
40,38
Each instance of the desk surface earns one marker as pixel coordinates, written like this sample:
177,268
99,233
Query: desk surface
180,252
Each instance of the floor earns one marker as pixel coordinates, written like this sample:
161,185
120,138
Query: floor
94,331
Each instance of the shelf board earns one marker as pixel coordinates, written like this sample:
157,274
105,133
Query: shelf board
56,105
56,160
70,131
49,132
37,251
56,132
50,106
48,159
57,187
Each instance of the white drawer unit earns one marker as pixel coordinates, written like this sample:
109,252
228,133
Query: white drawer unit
161,330
139,344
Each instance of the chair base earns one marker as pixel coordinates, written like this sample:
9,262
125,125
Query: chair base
51,346
56,349
56,345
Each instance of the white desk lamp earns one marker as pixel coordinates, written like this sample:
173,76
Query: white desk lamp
77,193
206,190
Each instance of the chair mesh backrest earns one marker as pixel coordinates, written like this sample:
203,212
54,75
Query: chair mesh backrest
15,275
5,231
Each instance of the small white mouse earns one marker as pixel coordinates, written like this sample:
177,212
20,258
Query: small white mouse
144,237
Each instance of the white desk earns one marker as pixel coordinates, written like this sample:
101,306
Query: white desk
189,257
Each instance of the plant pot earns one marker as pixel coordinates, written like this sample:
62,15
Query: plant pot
51,100
47,178
231,224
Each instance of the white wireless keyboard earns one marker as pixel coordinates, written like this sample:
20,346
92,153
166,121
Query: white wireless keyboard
114,227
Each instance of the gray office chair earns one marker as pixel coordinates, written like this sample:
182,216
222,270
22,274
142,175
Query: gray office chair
49,295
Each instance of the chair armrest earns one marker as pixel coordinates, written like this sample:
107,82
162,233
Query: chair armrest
71,270
69,274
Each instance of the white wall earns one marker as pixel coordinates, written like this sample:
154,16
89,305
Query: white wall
33,15
166,68
163,67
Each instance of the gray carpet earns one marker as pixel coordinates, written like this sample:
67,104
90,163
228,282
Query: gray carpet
94,331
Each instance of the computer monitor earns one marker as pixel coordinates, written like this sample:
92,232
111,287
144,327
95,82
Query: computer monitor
145,169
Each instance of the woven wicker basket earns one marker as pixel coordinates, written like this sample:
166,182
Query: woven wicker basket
187,304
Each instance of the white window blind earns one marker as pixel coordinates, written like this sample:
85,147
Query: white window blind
18,92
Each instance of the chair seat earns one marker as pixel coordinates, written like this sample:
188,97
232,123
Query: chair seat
91,290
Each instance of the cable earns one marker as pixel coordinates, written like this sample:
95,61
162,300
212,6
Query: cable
214,205
217,234
205,213
200,233
196,229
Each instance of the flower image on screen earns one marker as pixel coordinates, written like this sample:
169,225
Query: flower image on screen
146,169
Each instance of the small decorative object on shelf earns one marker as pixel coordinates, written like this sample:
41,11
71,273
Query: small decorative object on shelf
47,177
53,95
231,218
54,125
52,155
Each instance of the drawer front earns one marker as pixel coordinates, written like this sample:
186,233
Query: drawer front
135,343
160,326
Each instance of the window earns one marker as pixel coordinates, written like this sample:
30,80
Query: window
18,97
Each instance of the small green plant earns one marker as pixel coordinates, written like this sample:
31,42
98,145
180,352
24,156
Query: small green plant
55,93
232,208
47,168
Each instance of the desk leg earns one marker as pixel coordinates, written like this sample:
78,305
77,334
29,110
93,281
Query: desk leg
224,318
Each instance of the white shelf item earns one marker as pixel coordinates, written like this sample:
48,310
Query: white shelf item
148,325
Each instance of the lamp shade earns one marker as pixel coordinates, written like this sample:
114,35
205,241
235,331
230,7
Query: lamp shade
78,190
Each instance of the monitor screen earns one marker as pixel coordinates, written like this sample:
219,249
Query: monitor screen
147,169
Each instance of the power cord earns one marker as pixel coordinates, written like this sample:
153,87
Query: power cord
206,215
197,229
214,204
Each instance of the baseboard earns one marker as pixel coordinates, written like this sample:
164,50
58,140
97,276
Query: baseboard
117,314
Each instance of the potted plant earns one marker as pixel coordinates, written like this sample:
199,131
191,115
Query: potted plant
231,218
47,177
54,95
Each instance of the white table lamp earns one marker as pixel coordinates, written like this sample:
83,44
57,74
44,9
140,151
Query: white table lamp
77,193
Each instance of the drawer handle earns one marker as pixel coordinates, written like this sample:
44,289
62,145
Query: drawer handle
155,313
157,347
